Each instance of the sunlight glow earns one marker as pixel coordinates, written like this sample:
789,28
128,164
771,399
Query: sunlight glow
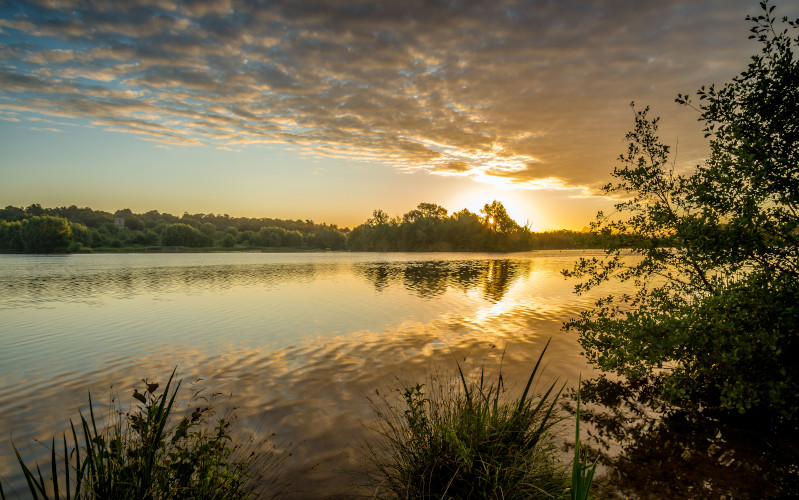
520,204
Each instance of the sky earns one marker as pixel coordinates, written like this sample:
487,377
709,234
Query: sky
328,110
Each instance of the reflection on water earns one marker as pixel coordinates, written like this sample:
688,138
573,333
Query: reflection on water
432,278
301,340
652,452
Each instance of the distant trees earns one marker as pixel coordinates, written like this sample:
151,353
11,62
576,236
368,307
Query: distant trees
38,234
96,229
272,236
428,227
180,234
134,223
329,238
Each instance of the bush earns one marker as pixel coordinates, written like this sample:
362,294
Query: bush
467,441
714,315
181,235
150,452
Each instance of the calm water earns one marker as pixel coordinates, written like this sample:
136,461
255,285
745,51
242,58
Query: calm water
299,341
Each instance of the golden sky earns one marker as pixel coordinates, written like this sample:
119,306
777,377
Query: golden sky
327,110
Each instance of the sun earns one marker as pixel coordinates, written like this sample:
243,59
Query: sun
519,203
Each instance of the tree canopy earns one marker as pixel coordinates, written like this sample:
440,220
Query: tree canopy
715,268
428,227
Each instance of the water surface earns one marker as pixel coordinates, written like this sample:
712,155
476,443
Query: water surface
299,342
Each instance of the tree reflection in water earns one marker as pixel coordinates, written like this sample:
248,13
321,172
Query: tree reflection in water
655,452
432,278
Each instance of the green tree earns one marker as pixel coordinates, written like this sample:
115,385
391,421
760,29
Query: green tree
10,237
134,223
208,229
714,315
466,230
272,236
229,241
45,234
497,218
421,228
293,239
179,234
329,238
12,213
81,234
248,238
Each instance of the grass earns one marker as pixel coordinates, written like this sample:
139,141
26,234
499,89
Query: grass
150,452
469,439
465,438
582,471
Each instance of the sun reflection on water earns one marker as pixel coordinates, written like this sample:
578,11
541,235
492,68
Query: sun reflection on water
297,341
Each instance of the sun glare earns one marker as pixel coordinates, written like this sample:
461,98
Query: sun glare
520,204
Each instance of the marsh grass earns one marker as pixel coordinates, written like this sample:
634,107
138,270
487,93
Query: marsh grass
582,470
155,450
467,439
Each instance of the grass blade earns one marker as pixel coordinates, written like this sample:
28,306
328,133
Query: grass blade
53,469
532,376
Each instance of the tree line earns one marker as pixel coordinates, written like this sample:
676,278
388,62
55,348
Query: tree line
35,229
428,227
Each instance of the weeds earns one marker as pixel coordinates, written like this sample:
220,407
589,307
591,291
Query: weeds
467,440
582,471
150,453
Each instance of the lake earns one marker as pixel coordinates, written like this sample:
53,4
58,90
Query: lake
297,342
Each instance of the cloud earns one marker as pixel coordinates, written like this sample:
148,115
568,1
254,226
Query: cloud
528,93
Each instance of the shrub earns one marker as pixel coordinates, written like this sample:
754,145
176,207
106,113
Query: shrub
467,440
151,452
713,317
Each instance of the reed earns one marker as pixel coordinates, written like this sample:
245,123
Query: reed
582,470
467,441
149,452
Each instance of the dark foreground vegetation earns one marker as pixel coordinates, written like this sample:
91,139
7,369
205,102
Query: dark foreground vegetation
466,438
713,322
440,440
159,449
35,229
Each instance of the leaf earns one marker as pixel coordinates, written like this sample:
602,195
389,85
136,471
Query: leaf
140,397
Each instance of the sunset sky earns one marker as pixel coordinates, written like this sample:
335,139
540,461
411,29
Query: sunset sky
327,110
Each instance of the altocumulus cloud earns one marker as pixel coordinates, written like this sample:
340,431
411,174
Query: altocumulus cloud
524,92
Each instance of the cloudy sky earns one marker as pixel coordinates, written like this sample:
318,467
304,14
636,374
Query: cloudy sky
329,109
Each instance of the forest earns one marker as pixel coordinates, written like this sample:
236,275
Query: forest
429,227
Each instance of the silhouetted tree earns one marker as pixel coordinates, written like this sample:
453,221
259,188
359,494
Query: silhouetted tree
715,314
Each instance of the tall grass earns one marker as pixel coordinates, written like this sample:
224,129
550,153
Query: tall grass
582,471
467,440
149,452
462,438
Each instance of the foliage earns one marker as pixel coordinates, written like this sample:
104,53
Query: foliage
180,234
149,452
468,440
328,238
134,223
37,234
147,229
429,228
425,228
715,312
650,451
